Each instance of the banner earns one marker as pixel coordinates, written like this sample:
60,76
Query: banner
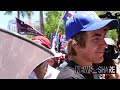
60,41
25,29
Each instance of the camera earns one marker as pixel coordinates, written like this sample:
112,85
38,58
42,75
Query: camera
110,53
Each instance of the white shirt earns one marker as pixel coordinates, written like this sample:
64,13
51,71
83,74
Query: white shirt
50,74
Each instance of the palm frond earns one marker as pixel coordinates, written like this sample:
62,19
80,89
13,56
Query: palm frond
8,12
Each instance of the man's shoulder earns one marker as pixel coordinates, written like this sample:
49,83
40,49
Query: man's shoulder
69,73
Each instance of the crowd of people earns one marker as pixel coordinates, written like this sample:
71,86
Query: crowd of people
87,45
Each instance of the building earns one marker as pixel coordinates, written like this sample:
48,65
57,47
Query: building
12,26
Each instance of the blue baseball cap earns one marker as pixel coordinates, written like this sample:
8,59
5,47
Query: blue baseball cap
86,21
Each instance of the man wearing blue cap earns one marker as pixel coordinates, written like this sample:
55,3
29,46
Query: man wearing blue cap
85,33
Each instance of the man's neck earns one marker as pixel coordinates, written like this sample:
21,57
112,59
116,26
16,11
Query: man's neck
82,61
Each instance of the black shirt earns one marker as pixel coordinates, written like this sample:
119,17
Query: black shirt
69,72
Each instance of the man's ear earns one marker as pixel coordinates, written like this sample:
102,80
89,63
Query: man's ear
75,47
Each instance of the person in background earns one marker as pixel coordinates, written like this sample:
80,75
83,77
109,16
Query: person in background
110,55
44,70
85,33
64,62
59,56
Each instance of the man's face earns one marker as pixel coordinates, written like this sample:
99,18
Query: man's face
95,45
54,62
41,70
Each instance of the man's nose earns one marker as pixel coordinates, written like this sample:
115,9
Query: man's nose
103,44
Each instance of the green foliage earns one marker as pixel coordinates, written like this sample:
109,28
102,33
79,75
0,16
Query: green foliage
23,13
29,36
8,12
113,34
52,21
99,12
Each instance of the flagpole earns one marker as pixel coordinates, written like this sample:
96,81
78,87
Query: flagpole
60,22
54,39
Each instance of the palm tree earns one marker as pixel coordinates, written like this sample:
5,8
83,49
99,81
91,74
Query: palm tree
41,23
29,14
23,13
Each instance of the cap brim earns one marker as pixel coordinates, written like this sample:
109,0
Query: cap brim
113,23
58,54
19,56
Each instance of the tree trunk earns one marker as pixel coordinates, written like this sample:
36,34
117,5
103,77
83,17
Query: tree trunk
30,20
41,23
18,14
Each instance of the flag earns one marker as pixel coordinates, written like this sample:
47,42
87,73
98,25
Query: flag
24,28
56,38
68,14
62,40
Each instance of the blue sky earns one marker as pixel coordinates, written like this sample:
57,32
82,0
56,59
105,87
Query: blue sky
4,19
